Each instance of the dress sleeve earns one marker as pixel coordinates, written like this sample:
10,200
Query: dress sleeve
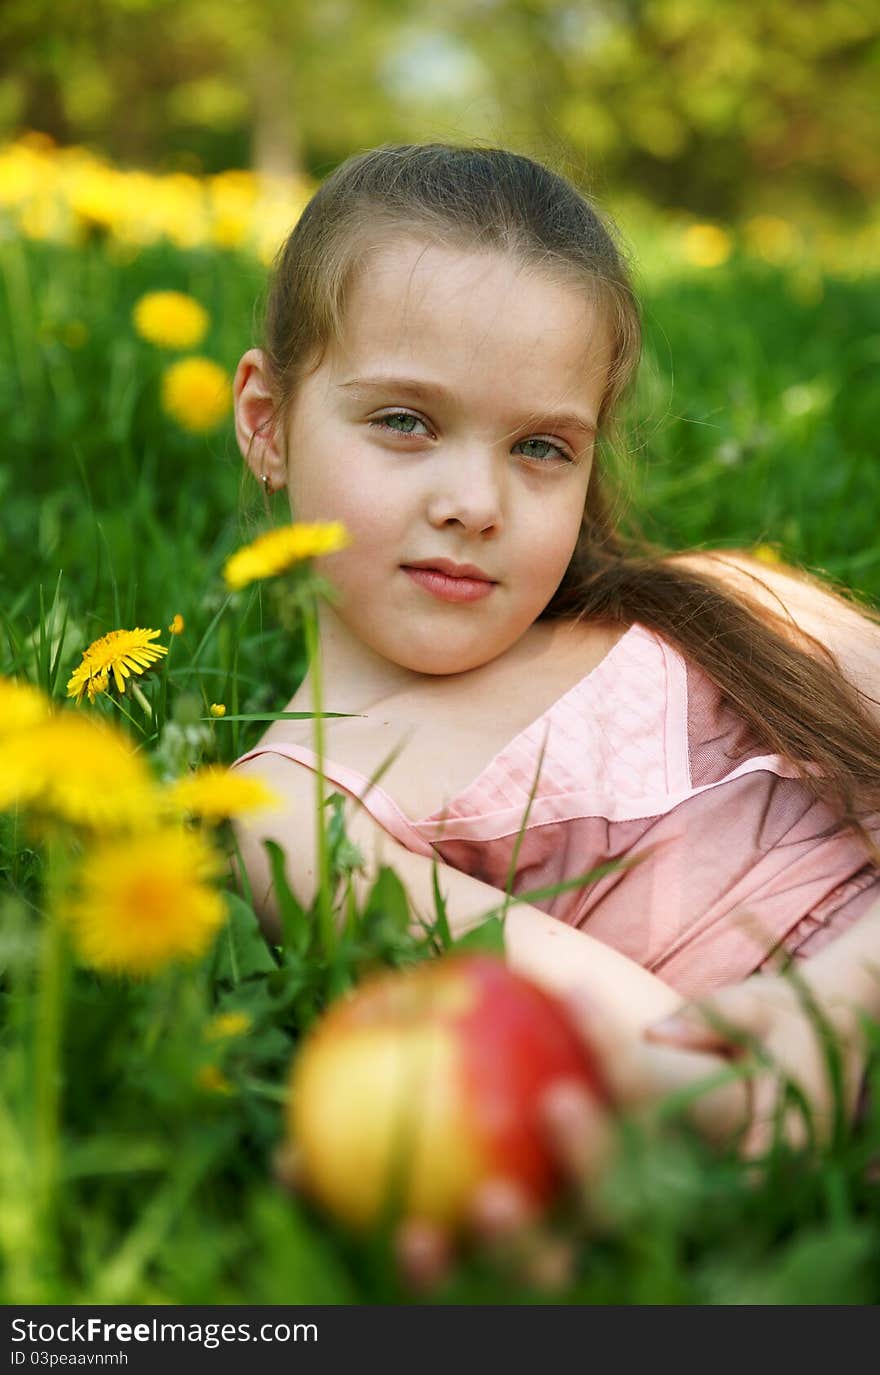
760,866
835,914
743,866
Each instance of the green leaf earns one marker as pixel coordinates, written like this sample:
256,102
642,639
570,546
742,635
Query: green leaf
339,981
273,716
387,903
241,950
488,937
292,1255
818,1266
344,854
295,925
118,1154
441,921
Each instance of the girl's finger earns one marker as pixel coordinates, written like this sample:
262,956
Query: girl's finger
423,1252
547,1262
512,1230
796,1133
499,1210
758,1139
716,1023
688,1034
509,1228
579,1130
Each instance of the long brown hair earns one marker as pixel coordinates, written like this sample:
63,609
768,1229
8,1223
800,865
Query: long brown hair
785,684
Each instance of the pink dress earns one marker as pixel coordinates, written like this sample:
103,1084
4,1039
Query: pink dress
644,758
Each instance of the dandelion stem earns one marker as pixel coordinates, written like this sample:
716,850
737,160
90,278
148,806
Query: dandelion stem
325,915
163,1006
141,700
47,1048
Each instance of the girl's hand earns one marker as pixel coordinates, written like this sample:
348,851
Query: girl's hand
769,1021
581,1136
762,1025
503,1224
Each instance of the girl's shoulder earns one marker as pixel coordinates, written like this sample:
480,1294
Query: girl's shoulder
803,604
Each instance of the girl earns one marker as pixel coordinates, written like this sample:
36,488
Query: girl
449,335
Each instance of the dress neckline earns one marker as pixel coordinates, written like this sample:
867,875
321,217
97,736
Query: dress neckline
451,808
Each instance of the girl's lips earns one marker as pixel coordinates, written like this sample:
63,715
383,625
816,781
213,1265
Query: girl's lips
449,589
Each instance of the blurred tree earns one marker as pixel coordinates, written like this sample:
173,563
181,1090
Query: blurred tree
279,84
699,103
694,101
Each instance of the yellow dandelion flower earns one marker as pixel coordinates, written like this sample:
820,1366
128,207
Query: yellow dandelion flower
280,549
233,201
142,902
177,625
77,770
706,245
42,218
197,393
22,172
170,319
21,705
213,1080
215,793
218,709
227,1025
120,652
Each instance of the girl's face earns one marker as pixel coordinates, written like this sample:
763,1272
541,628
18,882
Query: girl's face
455,421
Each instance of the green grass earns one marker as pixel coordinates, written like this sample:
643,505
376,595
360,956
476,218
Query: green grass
756,420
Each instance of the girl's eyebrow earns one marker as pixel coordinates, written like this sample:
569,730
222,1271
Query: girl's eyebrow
564,420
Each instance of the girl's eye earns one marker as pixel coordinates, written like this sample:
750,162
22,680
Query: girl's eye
547,445
384,422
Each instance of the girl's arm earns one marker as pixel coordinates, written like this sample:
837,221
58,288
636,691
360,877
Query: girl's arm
844,982
557,956
843,978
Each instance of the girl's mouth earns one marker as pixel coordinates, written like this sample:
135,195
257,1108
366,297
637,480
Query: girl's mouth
449,589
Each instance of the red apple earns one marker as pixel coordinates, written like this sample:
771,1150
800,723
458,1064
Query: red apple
423,1084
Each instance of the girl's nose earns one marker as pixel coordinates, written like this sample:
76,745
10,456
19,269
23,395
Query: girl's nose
468,488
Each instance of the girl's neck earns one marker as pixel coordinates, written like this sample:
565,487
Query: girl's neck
356,679
353,676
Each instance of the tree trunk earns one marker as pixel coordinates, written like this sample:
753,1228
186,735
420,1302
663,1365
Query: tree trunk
276,147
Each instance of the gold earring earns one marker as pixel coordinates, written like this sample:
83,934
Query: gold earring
266,491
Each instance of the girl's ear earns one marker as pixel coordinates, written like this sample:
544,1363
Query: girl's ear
255,430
